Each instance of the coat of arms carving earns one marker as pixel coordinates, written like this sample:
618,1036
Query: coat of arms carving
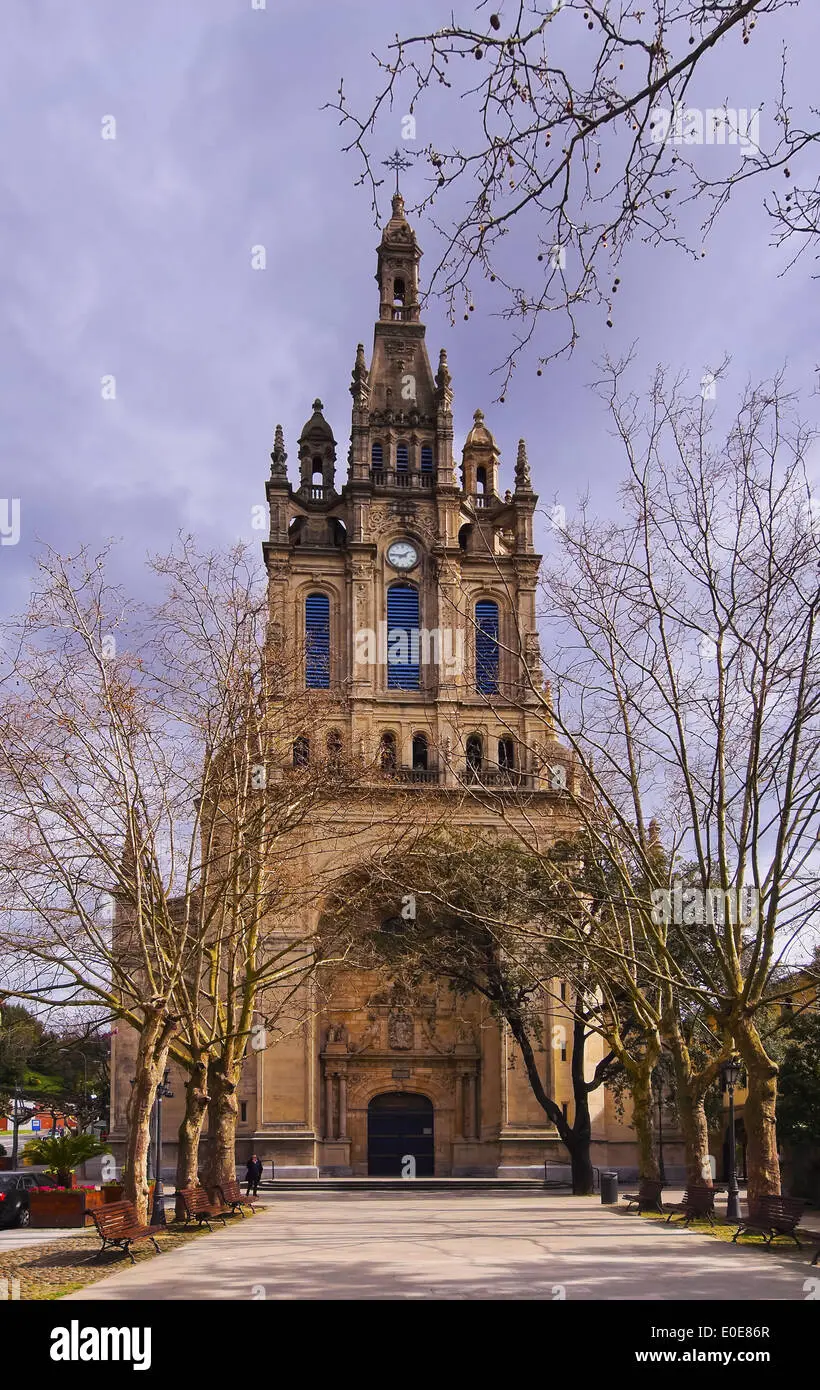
400,1031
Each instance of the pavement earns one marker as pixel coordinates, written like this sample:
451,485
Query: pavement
21,1237
489,1245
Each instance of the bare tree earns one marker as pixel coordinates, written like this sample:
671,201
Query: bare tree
685,680
577,141
141,763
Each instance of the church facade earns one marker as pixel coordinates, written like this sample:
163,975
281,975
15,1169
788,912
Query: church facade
453,716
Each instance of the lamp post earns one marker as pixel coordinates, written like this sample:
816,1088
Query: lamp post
15,1123
730,1075
85,1065
158,1217
70,1051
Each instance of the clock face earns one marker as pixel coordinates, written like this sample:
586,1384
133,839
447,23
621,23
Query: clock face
402,555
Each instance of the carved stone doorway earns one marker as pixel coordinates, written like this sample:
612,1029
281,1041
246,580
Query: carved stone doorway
399,1127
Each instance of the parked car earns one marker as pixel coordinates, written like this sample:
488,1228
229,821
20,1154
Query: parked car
14,1190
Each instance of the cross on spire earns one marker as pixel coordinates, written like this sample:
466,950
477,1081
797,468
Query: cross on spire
397,161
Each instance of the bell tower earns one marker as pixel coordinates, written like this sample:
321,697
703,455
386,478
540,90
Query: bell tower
397,274
404,547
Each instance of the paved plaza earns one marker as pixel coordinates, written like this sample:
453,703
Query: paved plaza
456,1245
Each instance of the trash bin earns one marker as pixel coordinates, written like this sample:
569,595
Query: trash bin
609,1189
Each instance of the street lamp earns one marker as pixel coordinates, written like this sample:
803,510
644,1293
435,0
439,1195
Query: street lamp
662,1100
70,1051
85,1065
730,1075
158,1217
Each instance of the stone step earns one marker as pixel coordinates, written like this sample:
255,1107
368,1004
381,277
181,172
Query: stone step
405,1185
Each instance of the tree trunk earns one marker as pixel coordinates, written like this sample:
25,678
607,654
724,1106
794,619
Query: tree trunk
149,1067
691,1109
583,1178
762,1163
190,1131
575,1138
641,1090
695,1131
220,1149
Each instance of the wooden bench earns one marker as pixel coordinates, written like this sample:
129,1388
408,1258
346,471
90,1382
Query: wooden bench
229,1194
697,1201
773,1216
117,1224
648,1196
198,1205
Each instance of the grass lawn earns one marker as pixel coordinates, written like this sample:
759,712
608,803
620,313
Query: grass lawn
724,1230
59,1267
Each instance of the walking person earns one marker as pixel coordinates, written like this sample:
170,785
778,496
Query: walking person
253,1174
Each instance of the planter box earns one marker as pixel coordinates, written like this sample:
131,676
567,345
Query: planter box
57,1209
114,1193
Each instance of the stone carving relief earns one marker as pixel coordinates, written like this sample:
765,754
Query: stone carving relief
370,1039
385,515
400,1031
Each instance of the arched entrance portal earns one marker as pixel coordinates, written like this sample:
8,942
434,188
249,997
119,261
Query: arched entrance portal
399,1125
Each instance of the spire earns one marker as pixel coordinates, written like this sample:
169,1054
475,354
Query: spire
523,481
444,382
360,384
279,457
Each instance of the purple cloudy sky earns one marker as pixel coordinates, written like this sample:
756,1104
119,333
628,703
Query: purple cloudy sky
132,257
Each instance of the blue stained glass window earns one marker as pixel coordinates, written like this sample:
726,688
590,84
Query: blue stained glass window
317,642
403,638
486,647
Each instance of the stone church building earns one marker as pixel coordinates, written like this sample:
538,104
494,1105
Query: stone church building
393,537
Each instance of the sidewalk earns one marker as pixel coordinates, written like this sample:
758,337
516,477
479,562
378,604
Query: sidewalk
22,1237
461,1246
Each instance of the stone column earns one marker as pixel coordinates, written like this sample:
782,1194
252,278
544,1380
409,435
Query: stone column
342,1105
476,1134
329,1105
469,1098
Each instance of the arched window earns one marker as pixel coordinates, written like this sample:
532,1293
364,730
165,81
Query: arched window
377,456
398,290
318,476
387,752
402,458
426,458
475,755
481,481
301,751
317,642
420,752
486,646
403,638
334,749
506,754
